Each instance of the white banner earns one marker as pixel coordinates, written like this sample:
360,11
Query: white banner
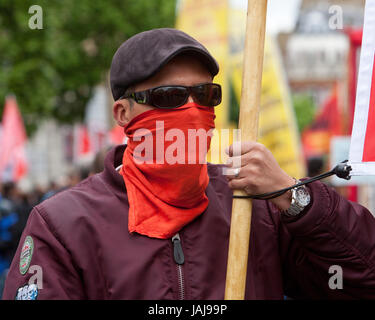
362,148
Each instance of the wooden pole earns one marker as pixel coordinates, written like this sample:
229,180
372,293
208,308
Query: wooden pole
248,124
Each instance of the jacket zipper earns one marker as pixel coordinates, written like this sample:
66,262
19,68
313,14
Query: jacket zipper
179,259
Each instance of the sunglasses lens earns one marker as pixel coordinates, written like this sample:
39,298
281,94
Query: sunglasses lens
169,97
208,95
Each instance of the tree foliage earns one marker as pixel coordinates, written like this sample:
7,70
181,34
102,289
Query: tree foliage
52,71
305,109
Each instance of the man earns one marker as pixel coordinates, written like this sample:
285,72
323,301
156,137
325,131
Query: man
154,225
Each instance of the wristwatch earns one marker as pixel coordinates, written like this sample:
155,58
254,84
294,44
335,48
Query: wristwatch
300,200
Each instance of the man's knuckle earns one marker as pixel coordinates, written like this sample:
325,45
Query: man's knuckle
257,158
249,171
250,182
261,147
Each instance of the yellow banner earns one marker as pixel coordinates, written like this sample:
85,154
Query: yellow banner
277,124
207,22
222,30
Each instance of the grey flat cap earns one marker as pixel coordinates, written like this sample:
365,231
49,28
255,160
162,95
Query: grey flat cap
144,54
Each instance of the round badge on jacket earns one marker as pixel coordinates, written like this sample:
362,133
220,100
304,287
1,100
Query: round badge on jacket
26,254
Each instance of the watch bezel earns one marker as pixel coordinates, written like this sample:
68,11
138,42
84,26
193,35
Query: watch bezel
296,206
299,198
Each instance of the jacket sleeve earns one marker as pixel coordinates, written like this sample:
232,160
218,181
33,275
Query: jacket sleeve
46,270
332,238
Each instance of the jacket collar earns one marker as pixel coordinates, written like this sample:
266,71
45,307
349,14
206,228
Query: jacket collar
112,160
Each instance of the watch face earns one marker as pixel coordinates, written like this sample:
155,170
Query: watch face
302,197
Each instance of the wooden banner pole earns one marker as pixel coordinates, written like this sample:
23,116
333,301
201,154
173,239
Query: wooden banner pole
248,124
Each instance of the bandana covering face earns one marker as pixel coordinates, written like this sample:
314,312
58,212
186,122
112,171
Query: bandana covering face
164,168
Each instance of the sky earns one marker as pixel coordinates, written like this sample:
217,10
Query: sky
282,14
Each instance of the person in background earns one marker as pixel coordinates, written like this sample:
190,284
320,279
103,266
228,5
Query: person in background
14,212
98,163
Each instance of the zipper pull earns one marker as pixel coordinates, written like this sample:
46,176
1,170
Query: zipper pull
178,254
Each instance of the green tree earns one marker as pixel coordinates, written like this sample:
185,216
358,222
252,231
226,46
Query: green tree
52,71
305,108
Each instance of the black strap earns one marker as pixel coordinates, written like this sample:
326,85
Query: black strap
342,170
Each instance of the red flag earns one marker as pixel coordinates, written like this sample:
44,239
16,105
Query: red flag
117,135
369,147
13,140
328,122
82,143
362,154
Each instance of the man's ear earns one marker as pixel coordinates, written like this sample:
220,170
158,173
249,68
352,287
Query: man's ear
121,112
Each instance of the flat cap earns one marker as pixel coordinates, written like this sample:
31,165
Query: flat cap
144,54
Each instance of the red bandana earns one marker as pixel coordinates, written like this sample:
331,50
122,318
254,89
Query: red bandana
164,168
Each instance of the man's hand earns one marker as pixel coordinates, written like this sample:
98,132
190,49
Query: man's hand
259,172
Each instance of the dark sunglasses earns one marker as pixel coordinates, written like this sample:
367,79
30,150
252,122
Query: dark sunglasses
168,97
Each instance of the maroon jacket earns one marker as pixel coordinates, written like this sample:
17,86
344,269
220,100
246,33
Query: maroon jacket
82,244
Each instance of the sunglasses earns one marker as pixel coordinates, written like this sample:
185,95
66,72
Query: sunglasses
168,97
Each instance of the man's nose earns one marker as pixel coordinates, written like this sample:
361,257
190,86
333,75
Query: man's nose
190,99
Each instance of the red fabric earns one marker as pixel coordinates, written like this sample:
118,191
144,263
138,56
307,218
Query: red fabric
85,142
369,147
165,196
328,122
116,135
13,140
355,36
